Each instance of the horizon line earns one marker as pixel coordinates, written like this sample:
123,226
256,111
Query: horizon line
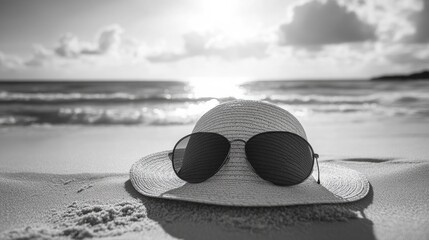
66,80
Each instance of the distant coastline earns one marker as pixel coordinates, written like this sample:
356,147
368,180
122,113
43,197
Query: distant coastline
423,75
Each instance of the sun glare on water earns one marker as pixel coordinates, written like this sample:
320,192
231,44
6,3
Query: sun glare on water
216,87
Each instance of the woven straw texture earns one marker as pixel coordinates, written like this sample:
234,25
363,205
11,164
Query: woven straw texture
236,184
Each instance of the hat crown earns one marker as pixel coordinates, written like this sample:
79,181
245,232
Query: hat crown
242,119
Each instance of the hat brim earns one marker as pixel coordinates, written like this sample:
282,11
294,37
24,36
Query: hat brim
153,176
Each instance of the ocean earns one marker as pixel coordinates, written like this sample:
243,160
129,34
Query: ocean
176,103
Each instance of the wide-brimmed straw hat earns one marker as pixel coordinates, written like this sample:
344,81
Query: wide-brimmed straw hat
236,184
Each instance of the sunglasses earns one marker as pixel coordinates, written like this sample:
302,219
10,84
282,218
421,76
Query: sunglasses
282,158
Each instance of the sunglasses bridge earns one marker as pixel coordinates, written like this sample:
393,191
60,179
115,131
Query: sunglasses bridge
315,157
237,140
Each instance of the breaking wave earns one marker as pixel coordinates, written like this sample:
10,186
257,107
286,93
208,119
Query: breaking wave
119,97
106,98
382,98
160,103
186,114
173,116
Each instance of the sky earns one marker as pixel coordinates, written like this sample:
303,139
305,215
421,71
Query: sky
206,39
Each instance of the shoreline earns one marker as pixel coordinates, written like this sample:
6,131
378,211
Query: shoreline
107,149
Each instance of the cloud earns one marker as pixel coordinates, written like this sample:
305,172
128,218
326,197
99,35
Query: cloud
107,41
421,20
393,22
354,37
411,55
70,48
41,57
213,45
316,23
9,62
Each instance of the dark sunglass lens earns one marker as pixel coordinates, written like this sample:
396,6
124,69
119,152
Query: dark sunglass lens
199,156
280,157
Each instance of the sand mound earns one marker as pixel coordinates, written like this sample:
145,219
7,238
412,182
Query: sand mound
87,220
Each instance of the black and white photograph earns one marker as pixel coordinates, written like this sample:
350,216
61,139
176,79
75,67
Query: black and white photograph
214,119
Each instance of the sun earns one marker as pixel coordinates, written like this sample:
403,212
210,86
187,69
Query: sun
225,16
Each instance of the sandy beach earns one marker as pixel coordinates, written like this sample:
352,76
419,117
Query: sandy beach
73,183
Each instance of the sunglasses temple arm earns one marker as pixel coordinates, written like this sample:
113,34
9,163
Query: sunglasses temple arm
316,156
